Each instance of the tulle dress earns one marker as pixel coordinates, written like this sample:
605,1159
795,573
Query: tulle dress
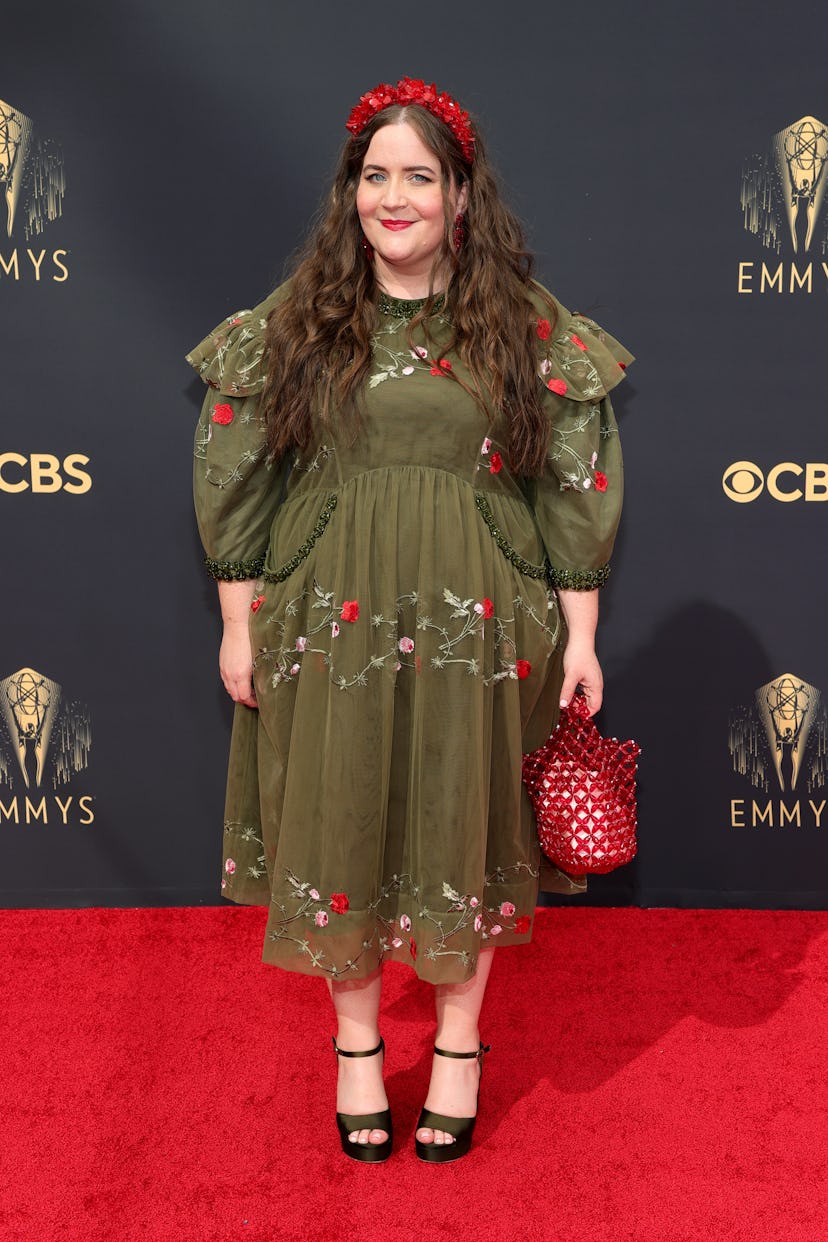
407,640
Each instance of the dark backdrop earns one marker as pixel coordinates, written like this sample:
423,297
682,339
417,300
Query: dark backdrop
193,142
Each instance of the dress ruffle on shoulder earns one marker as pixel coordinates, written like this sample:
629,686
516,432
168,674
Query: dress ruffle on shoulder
231,357
577,359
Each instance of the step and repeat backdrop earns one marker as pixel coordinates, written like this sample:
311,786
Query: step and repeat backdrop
158,165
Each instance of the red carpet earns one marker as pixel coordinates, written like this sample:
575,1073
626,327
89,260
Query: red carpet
656,1076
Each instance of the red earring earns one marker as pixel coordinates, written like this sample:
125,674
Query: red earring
459,235
368,248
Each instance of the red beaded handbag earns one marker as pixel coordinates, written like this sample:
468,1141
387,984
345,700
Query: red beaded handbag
582,787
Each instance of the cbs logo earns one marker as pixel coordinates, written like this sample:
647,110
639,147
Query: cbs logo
744,481
43,472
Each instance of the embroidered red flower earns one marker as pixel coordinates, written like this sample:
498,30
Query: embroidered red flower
488,608
522,924
223,414
443,366
350,610
601,481
339,903
523,668
412,945
576,340
495,463
544,328
257,603
557,385
623,366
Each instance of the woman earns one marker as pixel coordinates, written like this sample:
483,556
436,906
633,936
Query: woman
408,482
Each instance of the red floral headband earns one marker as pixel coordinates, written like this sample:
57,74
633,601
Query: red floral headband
414,91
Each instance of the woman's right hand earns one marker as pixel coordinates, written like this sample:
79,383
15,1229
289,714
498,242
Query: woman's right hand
236,663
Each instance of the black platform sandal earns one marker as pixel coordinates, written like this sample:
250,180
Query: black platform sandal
460,1127
370,1153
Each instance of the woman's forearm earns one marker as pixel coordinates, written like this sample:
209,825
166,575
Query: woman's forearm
580,610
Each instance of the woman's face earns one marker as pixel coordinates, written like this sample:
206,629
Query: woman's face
400,201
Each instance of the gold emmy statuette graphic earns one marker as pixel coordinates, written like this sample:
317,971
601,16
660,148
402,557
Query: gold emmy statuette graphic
783,190
31,174
29,702
784,730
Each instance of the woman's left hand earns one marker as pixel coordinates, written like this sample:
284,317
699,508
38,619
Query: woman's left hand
581,667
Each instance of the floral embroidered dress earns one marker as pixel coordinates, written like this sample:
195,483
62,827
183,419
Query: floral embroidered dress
407,641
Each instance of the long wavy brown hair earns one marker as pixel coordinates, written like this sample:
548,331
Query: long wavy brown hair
319,337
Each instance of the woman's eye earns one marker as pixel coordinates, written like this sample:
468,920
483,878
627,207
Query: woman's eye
373,177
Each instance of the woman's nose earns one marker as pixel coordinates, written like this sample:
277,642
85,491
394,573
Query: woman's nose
394,195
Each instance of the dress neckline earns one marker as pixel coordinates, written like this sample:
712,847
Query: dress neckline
406,308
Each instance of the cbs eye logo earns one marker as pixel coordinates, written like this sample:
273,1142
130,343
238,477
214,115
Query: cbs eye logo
744,481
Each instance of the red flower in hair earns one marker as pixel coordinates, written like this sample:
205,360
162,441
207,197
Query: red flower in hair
523,668
350,610
414,91
339,903
522,924
223,414
601,481
544,328
557,385
495,463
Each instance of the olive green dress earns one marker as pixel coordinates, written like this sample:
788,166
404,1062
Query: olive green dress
407,640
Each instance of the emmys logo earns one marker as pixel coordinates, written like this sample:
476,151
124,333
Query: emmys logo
743,481
45,740
779,741
32,185
783,206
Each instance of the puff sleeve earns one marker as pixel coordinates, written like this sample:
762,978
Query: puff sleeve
577,500
235,488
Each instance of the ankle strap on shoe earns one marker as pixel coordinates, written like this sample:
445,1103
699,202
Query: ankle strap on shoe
340,1052
465,1055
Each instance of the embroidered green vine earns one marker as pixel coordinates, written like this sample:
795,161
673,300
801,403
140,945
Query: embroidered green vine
279,575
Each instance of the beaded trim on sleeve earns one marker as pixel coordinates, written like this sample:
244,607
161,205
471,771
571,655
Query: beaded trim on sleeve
279,575
234,571
520,563
579,579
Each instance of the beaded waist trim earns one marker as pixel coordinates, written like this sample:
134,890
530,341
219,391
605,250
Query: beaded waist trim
520,563
303,552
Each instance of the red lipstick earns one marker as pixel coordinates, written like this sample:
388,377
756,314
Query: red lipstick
396,225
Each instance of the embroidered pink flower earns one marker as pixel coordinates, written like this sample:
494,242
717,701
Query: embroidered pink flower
557,385
478,922
487,444
545,367
522,924
256,604
507,909
419,352
350,610
406,645
321,918
339,903
473,901
314,893
405,922
523,668
412,945
223,414
334,629
544,328
223,882
396,943
294,669
230,866
495,463
587,484
301,643
408,370
496,930
593,460
576,340
601,481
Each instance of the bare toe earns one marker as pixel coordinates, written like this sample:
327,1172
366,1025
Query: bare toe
425,1135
